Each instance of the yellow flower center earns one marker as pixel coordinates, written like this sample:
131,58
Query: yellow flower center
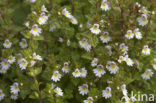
127,60
7,43
107,92
113,67
15,88
0,94
5,63
83,42
95,28
147,73
103,4
145,49
55,75
43,17
83,88
57,92
99,70
129,34
143,19
35,29
123,49
66,67
105,37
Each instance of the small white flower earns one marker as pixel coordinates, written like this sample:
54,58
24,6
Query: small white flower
95,29
23,44
84,44
121,58
94,62
105,38
42,19
56,76
73,20
7,44
146,50
37,57
147,74
2,95
14,96
58,91
129,34
52,85
32,63
60,40
15,88
36,31
23,64
89,100
32,1
83,72
3,71
52,27
11,59
66,13
123,48
124,90
99,71
107,93
138,34
27,24
144,10
19,58
129,61
83,90
43,8
105,6
142,20
76,73
5,65
112,67
66,68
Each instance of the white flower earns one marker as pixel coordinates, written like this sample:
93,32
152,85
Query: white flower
52,27
23,44
105,6
138,34
128,61
66,13
94,62
123,48
36,31
2,95
58,91
3,71
142,20
52,85
56,76
146,50
107,93
83,89
99,71
95,29
43,8
105,38
124,90
27,24
66,68
73,20
14,96
42,19
147,74
144,10
15,88
60,40
5,65
19,59
11,59
129,34
23,64
32,63
76,73
112,67
32,1
84,44
121,58
83,72
37,57
154,66
89,100
7,44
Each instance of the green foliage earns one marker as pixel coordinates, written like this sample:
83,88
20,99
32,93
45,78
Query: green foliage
35,81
